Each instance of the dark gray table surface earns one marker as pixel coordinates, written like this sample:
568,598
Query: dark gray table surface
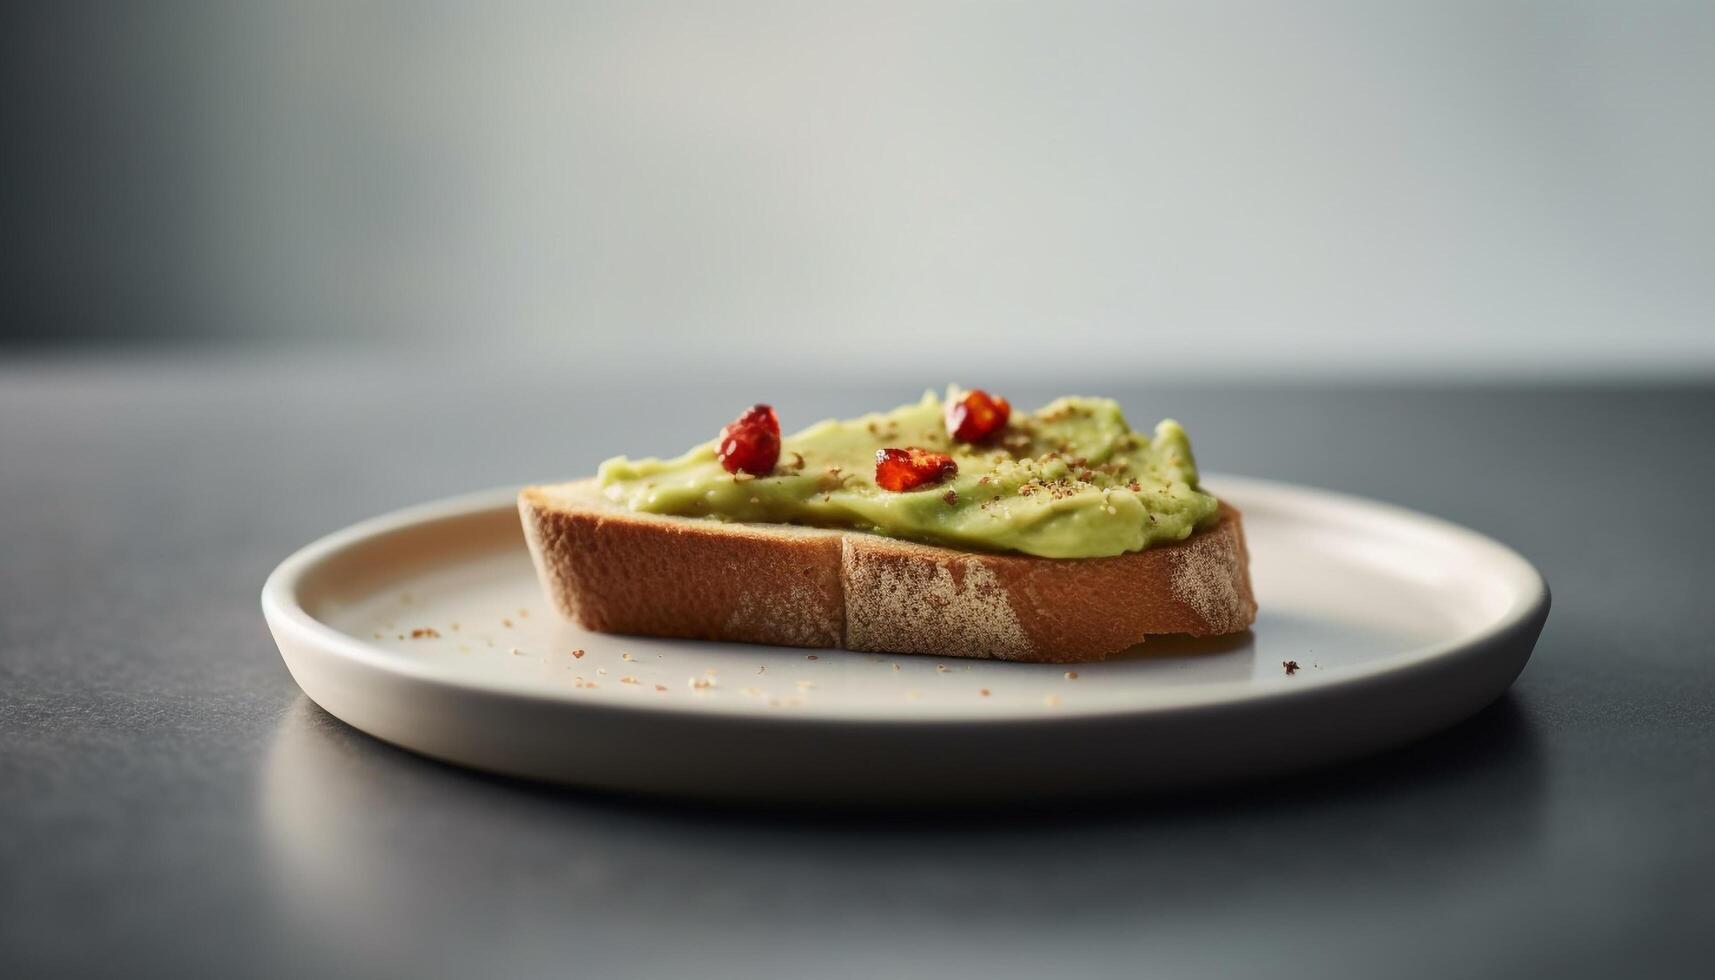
171,805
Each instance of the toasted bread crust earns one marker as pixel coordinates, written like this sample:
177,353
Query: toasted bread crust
620,571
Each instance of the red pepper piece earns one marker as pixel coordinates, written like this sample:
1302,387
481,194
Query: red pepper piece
977,415
751,442
908,469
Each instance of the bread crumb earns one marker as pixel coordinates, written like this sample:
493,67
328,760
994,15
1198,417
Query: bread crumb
602,671
701,683
1052,701
455,627
941,668
523,613
1071,675
812,657
628,680
517,652
805,685
661,688
984,692
626,656
1290,665
577,655
896,667
506,623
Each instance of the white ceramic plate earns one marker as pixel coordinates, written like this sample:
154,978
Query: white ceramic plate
427,628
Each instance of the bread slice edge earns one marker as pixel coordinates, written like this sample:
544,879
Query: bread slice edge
615,570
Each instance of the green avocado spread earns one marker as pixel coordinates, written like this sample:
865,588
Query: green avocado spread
1071,480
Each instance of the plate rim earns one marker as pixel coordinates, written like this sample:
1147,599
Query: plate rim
284,611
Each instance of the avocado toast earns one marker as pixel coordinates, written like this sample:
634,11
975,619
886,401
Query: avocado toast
950,526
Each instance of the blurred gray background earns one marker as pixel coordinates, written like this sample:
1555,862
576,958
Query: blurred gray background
1450,189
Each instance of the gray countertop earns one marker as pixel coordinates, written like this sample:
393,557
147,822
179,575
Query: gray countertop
171,805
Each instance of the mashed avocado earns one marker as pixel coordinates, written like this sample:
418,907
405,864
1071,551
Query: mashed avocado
1071,480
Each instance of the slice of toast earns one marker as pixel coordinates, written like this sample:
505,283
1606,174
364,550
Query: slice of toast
617,570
